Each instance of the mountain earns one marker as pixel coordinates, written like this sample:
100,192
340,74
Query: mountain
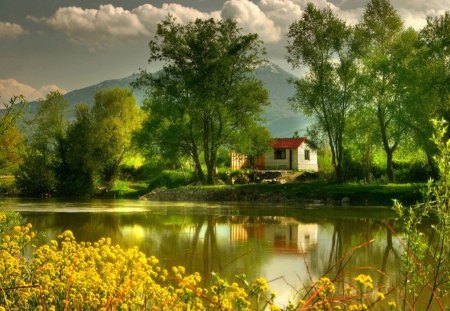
280,119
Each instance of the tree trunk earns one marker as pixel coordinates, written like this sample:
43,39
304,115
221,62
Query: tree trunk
339,172
211,167
339,160
197,165
389,166
387,148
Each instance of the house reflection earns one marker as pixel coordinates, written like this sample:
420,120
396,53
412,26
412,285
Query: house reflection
287,237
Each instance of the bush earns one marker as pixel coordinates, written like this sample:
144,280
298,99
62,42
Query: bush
425,261
170,179
411,172
36,176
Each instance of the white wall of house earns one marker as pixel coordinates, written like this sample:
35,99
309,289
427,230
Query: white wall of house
298,160
277,164
307,165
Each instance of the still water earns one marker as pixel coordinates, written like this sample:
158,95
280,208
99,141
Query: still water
288,245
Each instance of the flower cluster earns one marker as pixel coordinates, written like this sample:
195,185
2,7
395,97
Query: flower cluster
365,281
69,275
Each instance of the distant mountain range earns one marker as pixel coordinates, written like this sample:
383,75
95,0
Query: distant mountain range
279,117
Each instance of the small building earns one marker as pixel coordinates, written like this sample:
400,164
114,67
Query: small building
285,154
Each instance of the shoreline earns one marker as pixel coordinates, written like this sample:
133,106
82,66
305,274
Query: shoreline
313,193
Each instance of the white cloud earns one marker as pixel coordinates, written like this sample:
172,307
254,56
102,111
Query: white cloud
421,5
352,17
109,25
10,30
283,13
418,19
12,87
96,27
249,16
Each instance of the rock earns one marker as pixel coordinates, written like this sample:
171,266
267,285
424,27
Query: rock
242,179
345,201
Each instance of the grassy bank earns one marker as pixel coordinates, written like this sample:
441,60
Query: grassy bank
356,193
317,192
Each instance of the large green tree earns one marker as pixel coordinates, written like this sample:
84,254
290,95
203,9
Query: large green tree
388,49
430,87
36,175
206,91
76,172
114,118
329,49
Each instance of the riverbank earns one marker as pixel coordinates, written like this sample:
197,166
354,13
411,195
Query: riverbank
319,192
315,192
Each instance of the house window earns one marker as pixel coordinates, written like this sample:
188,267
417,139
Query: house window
307,155
279,154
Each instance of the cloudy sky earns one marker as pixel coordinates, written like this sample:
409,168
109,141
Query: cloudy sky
68,44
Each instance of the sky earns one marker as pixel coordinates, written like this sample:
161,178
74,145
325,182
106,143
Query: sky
60,44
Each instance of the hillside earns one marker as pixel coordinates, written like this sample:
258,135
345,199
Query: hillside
279,117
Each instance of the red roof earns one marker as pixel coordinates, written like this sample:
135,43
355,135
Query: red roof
287,143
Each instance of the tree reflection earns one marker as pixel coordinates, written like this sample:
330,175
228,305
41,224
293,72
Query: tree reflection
297,246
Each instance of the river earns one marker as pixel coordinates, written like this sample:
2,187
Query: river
289,245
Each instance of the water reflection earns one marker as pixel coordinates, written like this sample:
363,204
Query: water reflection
290,246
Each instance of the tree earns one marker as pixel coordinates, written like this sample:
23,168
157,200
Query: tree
329,48
435,37
430,89
387,49
115,116
11,112
11,138
77,168
253,142
11,143
205,92
36,175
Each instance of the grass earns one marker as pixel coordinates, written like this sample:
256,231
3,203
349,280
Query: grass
360,193
128,190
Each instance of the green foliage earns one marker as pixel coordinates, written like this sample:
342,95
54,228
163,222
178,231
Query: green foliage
76,171
77,158
169,179
329,48
36,175
205,92
12,111
253,142
11,138
388,50
115,116
11,145
426,261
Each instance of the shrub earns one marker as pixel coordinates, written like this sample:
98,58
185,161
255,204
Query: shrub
36,175
426,262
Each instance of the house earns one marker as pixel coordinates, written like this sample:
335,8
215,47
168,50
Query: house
285,154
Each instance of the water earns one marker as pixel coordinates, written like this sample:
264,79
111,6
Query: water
288,245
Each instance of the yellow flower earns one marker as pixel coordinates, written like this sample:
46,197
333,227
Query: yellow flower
392,305
365,281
